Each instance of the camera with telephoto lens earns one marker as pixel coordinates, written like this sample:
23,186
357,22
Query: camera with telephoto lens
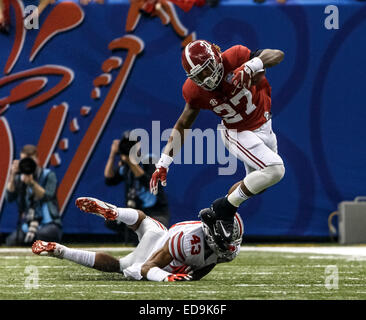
27,166
125,144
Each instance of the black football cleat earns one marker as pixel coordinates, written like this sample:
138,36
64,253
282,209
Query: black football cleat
221,230
224,230
223,209
208,216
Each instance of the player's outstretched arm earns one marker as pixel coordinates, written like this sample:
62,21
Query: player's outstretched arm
267,58
271,57
152,268
176,139
175,143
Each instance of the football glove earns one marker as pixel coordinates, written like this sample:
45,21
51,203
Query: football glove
178,277
160,173
243,76
182,269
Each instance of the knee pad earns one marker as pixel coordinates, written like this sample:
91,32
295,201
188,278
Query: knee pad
259,180
277,172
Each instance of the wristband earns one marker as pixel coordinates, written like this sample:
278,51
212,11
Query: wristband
156,274
164,161
255,64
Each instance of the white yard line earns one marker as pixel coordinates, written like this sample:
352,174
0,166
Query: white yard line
133,292
359,251
29,250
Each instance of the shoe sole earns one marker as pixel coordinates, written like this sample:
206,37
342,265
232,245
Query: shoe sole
91,206
38,247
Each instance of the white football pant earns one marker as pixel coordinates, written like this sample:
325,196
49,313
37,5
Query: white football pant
152,236
258,150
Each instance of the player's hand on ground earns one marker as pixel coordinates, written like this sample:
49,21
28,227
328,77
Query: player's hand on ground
183,269
159,174
178,277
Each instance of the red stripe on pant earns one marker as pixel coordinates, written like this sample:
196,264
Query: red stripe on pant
252,157
158,223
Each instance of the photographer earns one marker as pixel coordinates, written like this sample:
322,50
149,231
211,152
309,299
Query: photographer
34,190
137,183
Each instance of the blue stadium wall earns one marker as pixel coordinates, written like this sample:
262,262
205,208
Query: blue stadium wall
318,107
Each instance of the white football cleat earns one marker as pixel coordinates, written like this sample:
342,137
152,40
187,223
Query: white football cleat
44,248
100,208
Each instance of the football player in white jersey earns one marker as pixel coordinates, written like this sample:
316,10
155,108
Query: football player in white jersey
187,251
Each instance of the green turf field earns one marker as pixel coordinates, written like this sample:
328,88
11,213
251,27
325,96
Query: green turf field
253,275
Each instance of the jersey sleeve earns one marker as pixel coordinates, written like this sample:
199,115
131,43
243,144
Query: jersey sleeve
236,56
185,93
176,246
242,54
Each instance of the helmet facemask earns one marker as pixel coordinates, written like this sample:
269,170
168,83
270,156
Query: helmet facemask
209,75
225,249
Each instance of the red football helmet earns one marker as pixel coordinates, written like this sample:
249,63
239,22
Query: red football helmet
203,64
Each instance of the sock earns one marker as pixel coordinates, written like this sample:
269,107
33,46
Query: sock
224,209
85,258
237,197
127,215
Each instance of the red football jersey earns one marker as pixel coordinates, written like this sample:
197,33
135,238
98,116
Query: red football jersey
240,108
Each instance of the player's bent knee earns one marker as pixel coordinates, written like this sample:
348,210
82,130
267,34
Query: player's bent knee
277,172
259,180
141,217
149,224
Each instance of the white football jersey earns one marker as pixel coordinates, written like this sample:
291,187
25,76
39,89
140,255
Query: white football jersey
188,248
186,243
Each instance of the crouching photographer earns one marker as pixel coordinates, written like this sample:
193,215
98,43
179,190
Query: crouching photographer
34,190
137,184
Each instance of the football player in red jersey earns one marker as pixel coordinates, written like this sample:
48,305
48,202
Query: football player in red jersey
187,251
232,85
